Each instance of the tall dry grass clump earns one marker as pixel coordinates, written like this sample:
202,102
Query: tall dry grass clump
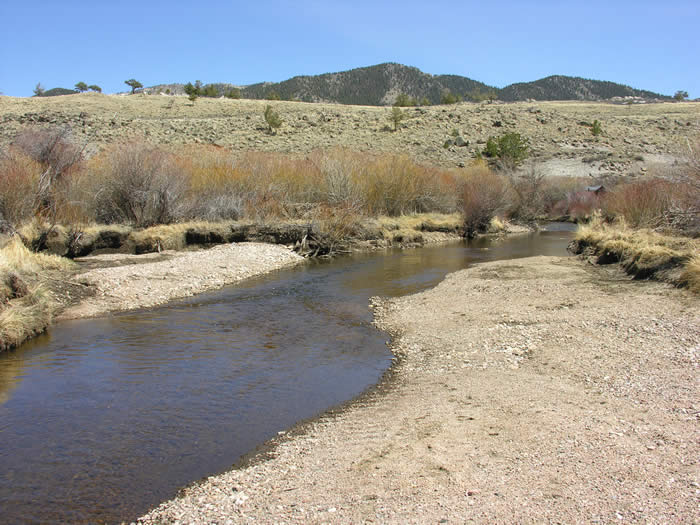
26,307
642,252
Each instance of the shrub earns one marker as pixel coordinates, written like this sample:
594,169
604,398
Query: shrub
484,194
54,149
95,88
403,100
19,179
508,150
272,119
193,90
528,188
210,91
141,185
643,204
396,116
81,87
450,98
596,128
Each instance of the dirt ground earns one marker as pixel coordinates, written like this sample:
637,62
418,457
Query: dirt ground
636,139
528,391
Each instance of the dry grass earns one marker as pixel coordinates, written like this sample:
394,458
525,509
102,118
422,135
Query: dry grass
644,253
16,257
691,274
26,307
174,236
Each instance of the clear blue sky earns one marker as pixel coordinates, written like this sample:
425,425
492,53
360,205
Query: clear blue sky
645,44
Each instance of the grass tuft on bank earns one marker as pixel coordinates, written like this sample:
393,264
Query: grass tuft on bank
26,307
643,253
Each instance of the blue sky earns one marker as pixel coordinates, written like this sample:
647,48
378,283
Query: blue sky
648,45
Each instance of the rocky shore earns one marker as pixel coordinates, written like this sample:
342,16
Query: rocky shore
536,390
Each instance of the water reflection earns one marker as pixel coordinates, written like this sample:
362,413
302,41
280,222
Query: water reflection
103,418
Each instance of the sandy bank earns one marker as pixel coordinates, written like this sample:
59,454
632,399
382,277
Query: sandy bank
535,390
126,282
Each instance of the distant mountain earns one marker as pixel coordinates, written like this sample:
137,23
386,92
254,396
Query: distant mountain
372,86
560,87
380,85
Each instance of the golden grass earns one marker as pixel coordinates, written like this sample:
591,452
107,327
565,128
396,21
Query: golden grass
173,236
16,257
691,274
25,317
645,253
29,313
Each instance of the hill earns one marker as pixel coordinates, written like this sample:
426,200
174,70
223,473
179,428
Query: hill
633,137
369,86
558,87
380,85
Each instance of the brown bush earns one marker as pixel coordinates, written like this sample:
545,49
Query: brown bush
484,194
19,179
140,185
55,150
643,204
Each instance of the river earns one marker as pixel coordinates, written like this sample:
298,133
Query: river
102,419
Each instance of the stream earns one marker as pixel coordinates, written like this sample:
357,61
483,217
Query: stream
102,419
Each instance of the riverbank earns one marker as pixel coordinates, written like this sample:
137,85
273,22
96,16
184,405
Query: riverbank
512,399
149,267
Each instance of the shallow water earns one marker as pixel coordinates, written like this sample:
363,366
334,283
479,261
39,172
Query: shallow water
102,419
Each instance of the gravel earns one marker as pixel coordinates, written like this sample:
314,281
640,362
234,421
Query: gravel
139,281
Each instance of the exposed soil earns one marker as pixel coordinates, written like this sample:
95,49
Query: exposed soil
636,139
536,390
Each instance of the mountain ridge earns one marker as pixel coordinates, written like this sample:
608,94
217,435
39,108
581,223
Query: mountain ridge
380,84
